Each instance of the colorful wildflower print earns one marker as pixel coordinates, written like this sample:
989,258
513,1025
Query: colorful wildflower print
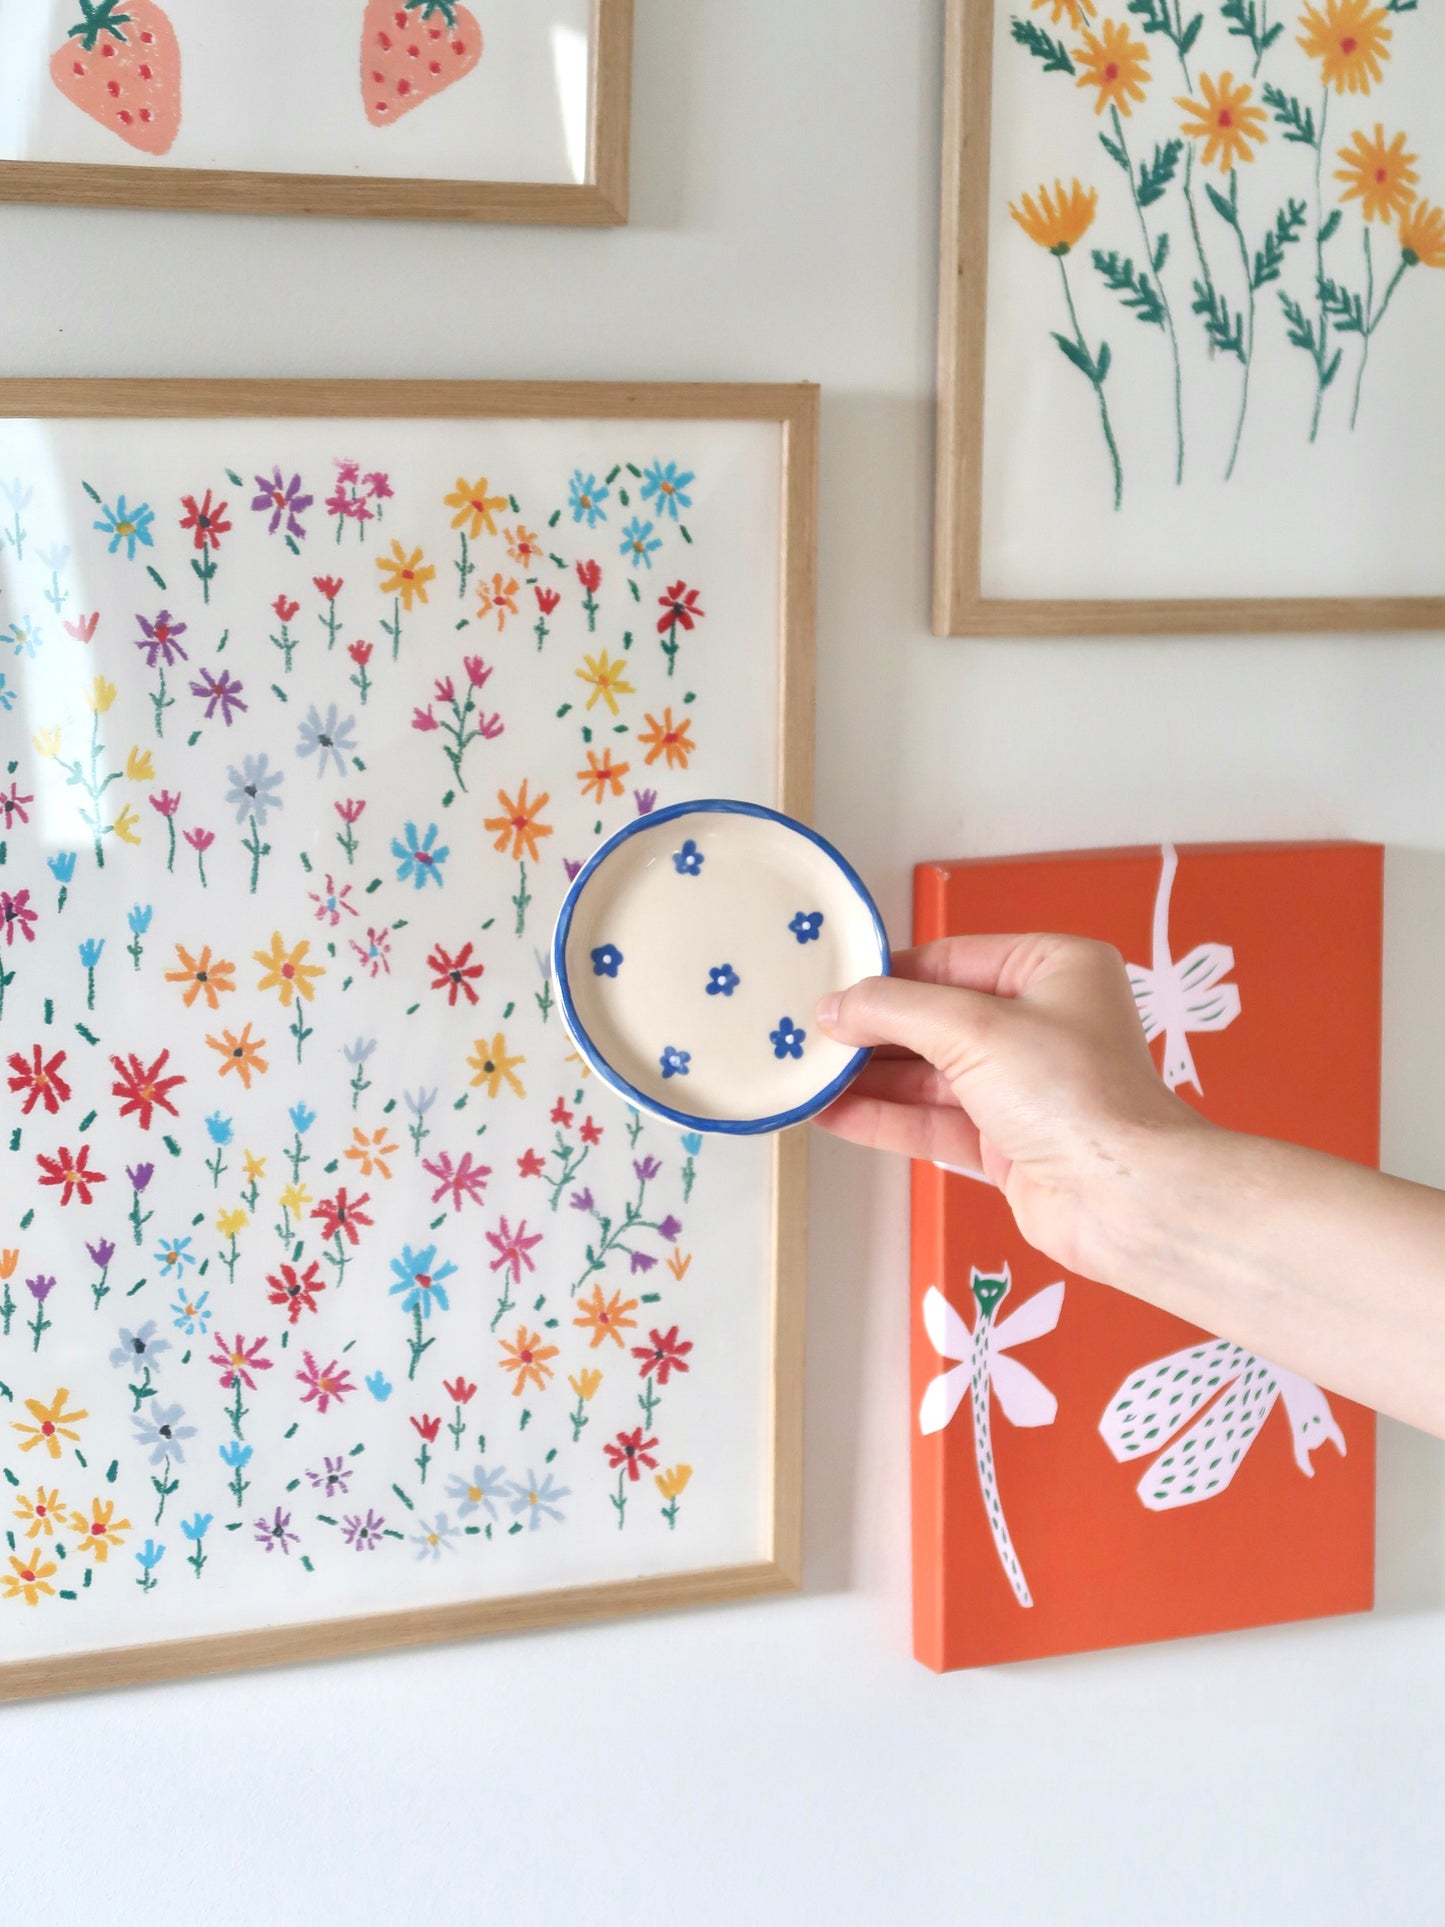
1253,201
308,1210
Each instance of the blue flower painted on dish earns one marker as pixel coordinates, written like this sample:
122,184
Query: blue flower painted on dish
674,1062
806,925
606,959
787,1039
688,861
722,981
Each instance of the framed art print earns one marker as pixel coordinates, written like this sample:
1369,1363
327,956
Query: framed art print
340,1307
464,110
1088,1470
1192,288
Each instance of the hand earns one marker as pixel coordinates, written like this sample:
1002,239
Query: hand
1018,1059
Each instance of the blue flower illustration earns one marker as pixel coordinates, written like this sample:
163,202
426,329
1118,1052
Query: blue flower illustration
301,1119
150,1556
692,1142
537,1496
479,1491
126,525
666,489
675,1062
192,1315
638,542
90,951
161,1430
16,493
588,495
606,959
419,1280
419,860
24,638
234,1453
139,918
806,925
380,1387
688,861
7,694
197,1526
173,1255
722,981
255,788
787,1039
329,738
358,1050
62,865
55,557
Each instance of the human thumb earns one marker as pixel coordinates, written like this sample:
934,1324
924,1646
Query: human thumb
934,1020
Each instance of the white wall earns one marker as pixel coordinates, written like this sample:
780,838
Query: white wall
789,1762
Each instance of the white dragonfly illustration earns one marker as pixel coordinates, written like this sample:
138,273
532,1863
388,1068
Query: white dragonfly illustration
1177,998
1155,1404
983,1363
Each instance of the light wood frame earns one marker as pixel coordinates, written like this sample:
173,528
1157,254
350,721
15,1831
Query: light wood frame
599,201
959,606
795,410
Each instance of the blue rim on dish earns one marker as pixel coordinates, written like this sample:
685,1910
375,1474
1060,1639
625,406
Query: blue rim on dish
687,1120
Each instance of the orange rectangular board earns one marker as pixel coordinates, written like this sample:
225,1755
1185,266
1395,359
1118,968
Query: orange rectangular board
1088,1471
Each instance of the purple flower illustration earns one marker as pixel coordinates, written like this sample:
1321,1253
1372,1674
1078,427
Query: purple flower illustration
670,1229
334,1478
276,1531
282,501
582,1201
646,1168
140,1176
641,1262
221,692
159,640
363,1534
40,1288
101,1254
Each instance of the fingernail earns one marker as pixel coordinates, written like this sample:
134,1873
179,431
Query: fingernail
828,1010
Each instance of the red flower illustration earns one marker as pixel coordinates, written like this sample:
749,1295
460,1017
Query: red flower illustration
530,1165
40,1079
285,608
477,670
165,804
142,1089
459,1181
633,1451
296,1290
84,630
72,1172
350,810
679,608
341,1215
663,1354
239,1361
13,805
547,599
590,1133
560,1114
423,719
206,519
428,1427
360,654
455,973
458,1390
329,585
589,574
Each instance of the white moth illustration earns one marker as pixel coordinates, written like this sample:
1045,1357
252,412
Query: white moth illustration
1155,1404
982,1363
1177,998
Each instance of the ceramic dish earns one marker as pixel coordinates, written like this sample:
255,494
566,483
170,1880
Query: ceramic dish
690,955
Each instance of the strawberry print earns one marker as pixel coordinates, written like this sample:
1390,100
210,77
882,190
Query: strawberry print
121,64
413,52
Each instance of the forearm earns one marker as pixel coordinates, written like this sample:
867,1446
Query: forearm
1332,1270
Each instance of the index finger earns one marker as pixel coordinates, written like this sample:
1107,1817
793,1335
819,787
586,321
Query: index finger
997,965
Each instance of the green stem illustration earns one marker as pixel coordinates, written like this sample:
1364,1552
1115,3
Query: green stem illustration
1321,380
1095,371
1163,300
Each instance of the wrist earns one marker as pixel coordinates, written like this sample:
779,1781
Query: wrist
1147,1189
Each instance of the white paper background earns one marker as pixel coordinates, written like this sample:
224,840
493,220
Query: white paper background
274,85
716,1418
1357,514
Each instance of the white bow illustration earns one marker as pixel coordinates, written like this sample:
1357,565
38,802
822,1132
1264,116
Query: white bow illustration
1180,997
1157,1402
1025,1399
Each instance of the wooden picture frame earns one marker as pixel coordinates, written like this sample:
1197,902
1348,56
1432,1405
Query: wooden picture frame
960,605
599,201
793,410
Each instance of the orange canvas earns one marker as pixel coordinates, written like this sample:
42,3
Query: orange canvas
1089,1471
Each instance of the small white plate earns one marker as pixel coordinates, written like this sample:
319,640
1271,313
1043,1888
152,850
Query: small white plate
690,955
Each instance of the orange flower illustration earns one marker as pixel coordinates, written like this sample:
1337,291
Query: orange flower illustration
602,777
1350,40
241,1054
52,1424
1057,221
1115,65
372,1152
519,827
475,509
99,1530
669,739
1076,12
527,1360
1422,235
606,1318
1378,174
405,575
28,1578
499,599
523,547
1229,127
286,972
202,977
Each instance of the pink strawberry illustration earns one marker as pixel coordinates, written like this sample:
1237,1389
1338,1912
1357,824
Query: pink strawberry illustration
121,64
413,50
